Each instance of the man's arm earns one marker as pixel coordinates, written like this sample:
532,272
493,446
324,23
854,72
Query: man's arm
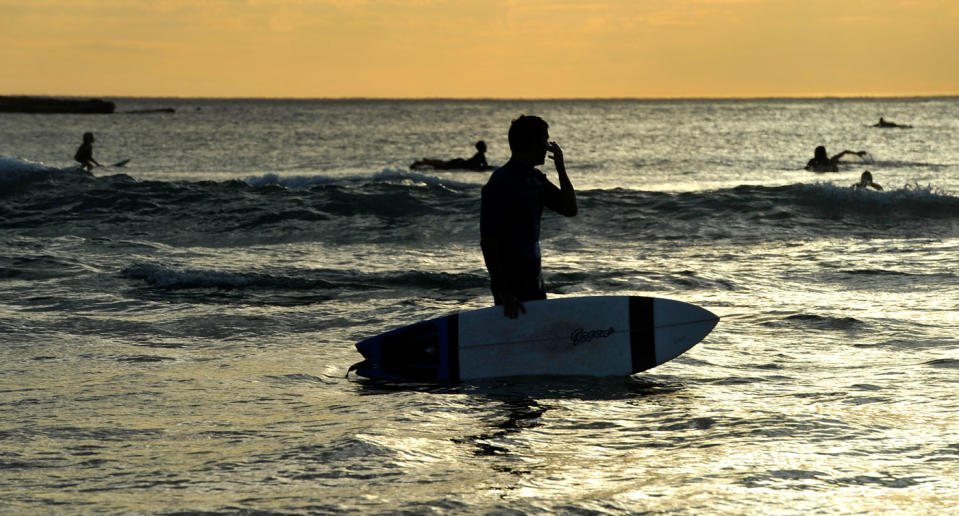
567,201
491,222
843,153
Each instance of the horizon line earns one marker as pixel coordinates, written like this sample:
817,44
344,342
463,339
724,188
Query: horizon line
503,99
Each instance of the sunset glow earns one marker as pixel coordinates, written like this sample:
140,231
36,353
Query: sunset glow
479,49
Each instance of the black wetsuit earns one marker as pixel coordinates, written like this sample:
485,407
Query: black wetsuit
511,211
84,154
816,165
477,162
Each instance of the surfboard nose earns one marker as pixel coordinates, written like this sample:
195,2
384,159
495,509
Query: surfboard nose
679,326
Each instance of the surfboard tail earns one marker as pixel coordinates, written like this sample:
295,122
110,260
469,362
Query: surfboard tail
425,351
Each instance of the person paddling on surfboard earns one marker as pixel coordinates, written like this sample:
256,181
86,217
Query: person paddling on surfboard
885,123
84,153
477,162
821,162
511,211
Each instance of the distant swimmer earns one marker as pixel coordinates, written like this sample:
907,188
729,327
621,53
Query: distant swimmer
883,123
865,181
84,154
821,162
477,162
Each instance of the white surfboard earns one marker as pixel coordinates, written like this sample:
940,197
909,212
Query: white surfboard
582,336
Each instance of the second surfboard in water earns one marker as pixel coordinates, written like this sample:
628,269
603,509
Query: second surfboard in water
583,336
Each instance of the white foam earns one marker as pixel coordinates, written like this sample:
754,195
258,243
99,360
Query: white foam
416,178
10,166
163,276
297,181
15,170
386,175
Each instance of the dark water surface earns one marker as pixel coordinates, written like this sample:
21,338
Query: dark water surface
175,333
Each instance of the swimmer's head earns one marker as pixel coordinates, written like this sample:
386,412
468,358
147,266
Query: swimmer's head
481,146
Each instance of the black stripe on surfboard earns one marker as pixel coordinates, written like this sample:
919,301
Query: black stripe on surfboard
642,333
453,346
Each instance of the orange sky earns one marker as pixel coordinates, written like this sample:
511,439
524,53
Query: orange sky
479,48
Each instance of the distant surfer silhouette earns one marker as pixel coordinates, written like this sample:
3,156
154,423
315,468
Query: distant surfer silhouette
511,210
477,162
84,153
865,182
883,123
821,162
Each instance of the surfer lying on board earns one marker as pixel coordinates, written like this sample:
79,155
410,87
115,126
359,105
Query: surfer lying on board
477,162
885,124
511,210
865,181
821,162
84,154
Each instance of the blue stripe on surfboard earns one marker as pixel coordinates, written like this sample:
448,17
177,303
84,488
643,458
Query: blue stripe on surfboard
453,347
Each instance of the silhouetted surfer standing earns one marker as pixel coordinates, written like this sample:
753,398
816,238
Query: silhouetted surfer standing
511,211
84,154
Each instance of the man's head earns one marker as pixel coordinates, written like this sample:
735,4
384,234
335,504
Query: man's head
481,146
88,137
528,136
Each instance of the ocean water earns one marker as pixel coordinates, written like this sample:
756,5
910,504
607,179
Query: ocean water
176,333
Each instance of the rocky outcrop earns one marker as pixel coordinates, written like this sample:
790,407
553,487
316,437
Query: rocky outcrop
53,105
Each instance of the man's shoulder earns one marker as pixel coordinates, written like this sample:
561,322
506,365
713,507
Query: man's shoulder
499,176
504,169
511,171
514,180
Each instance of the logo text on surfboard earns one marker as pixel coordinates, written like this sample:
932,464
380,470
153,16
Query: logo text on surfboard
581,336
